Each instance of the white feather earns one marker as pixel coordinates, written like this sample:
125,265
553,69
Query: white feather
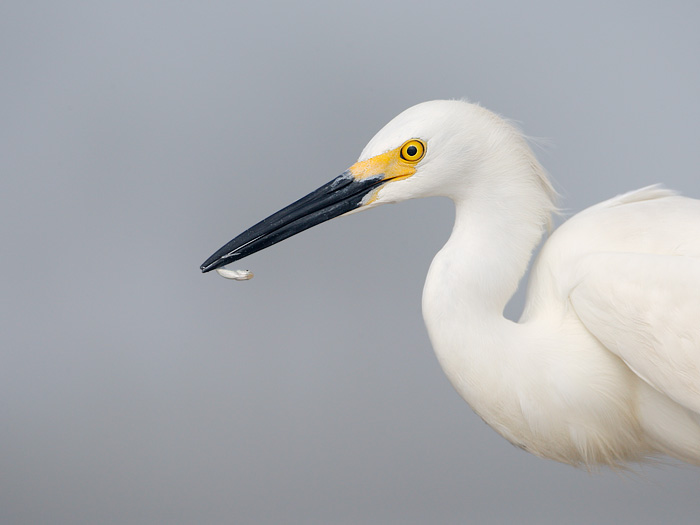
604,365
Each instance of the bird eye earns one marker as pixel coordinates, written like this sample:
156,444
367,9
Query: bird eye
413,150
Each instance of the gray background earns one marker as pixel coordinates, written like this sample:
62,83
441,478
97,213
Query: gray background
138,137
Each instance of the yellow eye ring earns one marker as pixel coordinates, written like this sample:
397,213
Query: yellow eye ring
413,150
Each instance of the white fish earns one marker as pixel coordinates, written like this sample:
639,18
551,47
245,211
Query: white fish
236,275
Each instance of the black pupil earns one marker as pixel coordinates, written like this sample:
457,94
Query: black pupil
412,151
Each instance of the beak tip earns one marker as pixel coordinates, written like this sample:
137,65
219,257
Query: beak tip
208,266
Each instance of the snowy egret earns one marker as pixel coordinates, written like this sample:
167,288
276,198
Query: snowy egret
604,365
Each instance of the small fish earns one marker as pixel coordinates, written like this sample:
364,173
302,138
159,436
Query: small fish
236,275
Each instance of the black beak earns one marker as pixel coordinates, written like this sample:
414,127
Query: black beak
339,196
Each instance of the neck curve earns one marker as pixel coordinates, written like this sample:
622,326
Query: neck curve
500,215
499,220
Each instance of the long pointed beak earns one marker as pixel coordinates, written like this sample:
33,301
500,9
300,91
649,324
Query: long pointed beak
341,195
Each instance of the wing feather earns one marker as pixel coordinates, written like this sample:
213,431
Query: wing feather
646,310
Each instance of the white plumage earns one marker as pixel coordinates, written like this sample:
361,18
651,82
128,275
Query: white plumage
604,365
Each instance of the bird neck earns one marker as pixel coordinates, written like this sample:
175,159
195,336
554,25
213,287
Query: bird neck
471,279
500,216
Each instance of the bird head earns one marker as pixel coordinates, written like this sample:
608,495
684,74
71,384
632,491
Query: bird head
433,148
423,152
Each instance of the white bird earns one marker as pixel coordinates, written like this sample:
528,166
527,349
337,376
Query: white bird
604,365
